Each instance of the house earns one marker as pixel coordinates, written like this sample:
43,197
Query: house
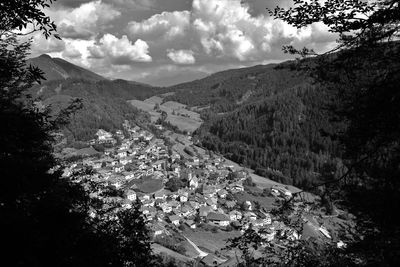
125,160
144,197
267,234
130,195
230,204
165,207
325,232
248,205
115,181
208,191
222,193
193,181
148,203
174,204
258,223
122,153
250,215
183,195
174,219
159,165
212,202
218,219
187,210
191,224
126,204
210,260
235,215
195,205
129,176
103,135
236,188
119,168
162,194
204,211
279,190
267,219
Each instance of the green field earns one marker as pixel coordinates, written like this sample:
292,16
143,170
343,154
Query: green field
209,241
178,114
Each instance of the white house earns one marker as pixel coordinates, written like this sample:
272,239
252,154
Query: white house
218,218
174,219
193,181
103,135
235,215
130,195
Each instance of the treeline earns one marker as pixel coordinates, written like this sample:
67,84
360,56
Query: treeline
229,90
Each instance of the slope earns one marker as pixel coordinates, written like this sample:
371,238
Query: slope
104,101
268,117
59,69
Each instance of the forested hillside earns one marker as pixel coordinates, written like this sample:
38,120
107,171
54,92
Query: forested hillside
104,103
270,118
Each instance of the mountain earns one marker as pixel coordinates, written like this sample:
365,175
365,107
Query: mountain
104,101
268,117
168,79
59,69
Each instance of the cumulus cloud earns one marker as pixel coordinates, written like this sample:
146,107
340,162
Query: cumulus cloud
71,52
192,34
220,30
121,51
85,21
167,25
40,45
181,56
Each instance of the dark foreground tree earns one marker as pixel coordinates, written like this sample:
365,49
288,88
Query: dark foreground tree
363,71
44,218
363,74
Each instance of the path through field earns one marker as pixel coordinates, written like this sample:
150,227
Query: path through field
201,253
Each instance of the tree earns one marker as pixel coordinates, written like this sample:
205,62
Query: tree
362,71
44,218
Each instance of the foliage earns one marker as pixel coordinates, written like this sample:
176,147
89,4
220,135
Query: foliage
363,76
45,218
174,184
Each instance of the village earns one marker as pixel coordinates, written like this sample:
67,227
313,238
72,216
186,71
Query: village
178,190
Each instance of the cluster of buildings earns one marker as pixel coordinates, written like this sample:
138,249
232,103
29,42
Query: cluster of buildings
173,190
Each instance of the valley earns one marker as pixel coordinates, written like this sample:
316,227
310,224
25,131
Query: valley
201,157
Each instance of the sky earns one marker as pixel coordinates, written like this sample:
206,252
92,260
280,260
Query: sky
164,42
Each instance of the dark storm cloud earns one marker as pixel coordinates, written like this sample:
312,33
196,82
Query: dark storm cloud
69,31
71,3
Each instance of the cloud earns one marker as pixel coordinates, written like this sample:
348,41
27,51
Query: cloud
40,45
71,3
144,38
85,21
71,52
167,25
181,56
220,31
121,51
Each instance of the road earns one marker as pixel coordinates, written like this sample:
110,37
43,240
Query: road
201,253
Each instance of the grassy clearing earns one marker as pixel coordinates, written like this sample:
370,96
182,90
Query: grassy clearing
208,240
158,249
150,185
178,115
265,202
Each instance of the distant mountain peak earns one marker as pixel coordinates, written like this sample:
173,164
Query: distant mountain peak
44,56
60,69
